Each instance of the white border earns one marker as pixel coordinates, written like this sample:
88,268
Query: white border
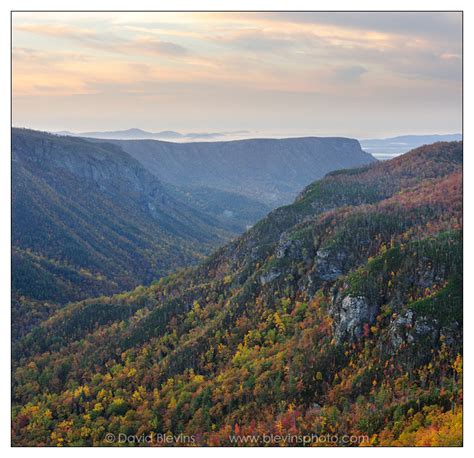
7,5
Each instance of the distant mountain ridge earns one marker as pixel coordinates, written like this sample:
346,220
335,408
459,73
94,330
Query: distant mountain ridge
272,171
138,134
386,148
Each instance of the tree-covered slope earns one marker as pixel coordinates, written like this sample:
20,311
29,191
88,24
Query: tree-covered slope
88,220
234,212
340,314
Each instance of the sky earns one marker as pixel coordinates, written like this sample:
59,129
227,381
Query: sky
360,74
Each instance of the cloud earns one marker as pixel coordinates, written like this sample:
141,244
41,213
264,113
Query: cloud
157,47
432,25
248,68
349,74
106,41
31,56
56,30
255,40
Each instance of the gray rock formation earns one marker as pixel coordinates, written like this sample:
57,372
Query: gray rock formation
269,277
399,329
329,265
350,314
406,329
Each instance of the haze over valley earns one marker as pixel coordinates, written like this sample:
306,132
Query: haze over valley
381,148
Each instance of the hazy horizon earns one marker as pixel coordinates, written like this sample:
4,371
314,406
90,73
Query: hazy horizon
359,75
225,135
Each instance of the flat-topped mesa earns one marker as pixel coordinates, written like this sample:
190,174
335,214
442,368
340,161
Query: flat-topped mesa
272,171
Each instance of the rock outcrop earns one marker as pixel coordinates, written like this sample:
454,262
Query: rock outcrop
329,265
350,315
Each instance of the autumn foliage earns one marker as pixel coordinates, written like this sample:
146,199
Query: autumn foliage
246,343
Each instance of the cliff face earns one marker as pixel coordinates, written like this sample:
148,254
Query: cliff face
268,170
103,166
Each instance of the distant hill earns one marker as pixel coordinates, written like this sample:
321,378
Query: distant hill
271,171
131,134
135,133
88,219
386,148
